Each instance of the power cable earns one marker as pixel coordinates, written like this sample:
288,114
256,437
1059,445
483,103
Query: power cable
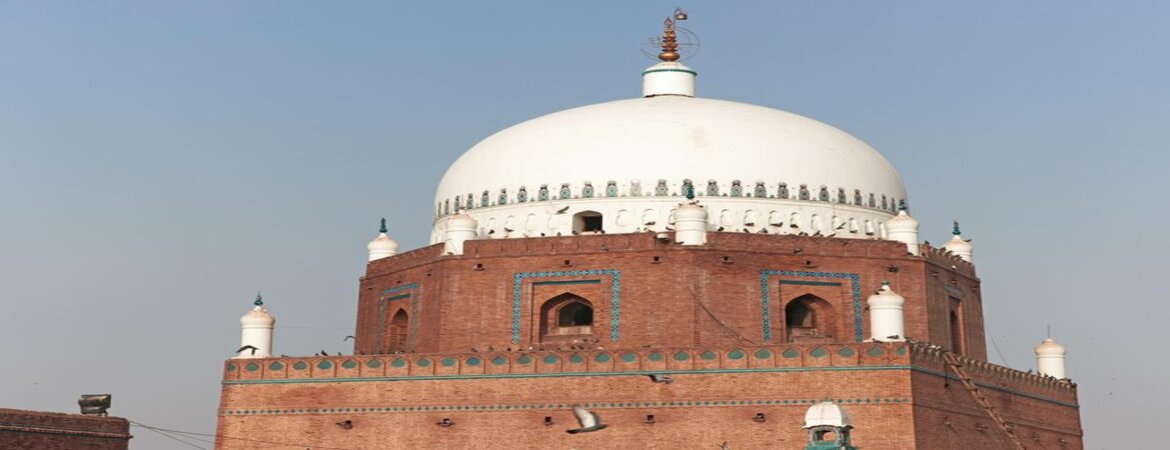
189,434
168,436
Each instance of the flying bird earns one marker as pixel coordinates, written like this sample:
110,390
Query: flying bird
562,210
720,229
508,230
841,226
652,222
589,421
660,378
348,338
246,347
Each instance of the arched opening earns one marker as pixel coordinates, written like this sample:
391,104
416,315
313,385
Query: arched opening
956,333
809,318
587,222
566,318
399,331
575,314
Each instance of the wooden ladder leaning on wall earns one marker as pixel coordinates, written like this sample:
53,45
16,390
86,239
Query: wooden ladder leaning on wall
952,360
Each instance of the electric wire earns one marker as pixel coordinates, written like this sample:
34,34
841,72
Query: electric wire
190,434
168,436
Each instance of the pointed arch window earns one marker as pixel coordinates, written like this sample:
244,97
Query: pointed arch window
399,332
565,318
809,318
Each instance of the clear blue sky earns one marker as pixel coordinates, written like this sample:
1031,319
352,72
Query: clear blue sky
160,162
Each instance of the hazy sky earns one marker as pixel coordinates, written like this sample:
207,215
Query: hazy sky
160,162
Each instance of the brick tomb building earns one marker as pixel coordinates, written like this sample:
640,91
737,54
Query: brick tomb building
745,278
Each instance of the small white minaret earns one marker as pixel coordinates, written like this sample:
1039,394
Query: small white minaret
460,228
382,246
959,246
885,314
1050,359
903,228
690,224
256,331
669,77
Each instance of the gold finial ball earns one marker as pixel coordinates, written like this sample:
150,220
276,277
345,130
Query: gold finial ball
668,56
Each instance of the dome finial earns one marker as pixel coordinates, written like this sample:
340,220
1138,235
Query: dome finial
955,231
383,228
669,42
259,299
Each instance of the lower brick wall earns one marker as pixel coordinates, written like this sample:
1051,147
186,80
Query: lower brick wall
695,411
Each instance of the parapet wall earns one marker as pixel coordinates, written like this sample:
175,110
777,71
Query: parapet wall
593,362
930,358
50,431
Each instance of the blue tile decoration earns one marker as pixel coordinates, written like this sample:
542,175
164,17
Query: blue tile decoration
752,403
615,296
853,278
409,290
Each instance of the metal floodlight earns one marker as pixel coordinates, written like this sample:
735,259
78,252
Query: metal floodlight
94,404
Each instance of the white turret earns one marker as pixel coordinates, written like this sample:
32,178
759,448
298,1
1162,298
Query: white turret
959,246
256,332
460,228
1050,359
690,224
885,314
668,77
828,426
382,246
903,228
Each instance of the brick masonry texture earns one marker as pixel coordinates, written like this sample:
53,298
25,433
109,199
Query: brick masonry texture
712,317
39,430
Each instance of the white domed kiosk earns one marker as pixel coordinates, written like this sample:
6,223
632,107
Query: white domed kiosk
623,166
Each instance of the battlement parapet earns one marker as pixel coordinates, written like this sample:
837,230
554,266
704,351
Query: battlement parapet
569,362
932,357
942,257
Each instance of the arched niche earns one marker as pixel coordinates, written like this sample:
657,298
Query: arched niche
809,318
399,332
567,318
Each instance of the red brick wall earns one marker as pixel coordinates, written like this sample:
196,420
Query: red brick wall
893,393
1042,411
56,431
690,296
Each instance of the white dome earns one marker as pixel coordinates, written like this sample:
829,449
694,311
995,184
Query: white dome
902,222
671,138
258,315
1049,347
646,147
826,413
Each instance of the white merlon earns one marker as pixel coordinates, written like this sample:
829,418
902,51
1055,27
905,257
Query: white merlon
1050,359
886,321
460,228
381,246
256,332
959,246
690,222
903,228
